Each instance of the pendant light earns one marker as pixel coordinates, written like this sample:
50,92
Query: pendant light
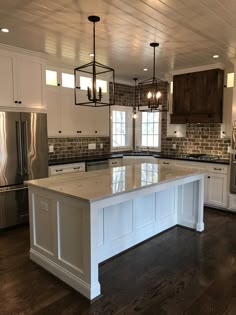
153,92
94,72
135,99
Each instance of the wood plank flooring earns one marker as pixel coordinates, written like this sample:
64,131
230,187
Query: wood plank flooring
178,272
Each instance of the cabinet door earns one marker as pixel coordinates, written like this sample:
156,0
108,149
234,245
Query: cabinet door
216,189
67,106
181,94
53,110
85,120
6,81
101,121
28,76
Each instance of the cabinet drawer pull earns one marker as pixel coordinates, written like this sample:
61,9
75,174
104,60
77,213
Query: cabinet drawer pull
19,102
16,102
113,162
166,163
59,170
217,169
77,168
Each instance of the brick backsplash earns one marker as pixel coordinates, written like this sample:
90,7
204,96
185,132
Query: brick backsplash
76,147
200,138
124,95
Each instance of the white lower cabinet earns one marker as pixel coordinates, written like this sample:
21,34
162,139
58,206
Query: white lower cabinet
115,162
216,181
216,190
66,168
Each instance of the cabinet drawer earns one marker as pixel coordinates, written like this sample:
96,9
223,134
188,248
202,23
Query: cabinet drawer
115,162
166,162
222,169
66,168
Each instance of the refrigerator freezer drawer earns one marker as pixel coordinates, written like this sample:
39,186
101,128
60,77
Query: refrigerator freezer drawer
13,206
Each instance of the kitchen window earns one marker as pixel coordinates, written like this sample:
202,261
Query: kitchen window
121,128
148,130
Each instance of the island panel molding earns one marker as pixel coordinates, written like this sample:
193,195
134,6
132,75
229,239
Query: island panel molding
134,203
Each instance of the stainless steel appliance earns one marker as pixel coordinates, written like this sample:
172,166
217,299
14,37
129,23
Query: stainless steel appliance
233,160
97,165
23,156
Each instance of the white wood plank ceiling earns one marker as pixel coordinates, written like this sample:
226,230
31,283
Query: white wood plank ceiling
190,32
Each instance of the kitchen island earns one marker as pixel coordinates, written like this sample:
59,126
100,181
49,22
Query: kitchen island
79,220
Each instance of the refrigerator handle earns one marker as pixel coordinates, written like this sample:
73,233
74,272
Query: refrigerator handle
26,142
19,147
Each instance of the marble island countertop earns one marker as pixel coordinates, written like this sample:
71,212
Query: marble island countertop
95,185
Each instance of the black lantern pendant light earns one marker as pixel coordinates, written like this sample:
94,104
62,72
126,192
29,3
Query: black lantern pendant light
96,71
153,92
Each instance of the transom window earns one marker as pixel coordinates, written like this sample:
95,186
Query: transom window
150,129
86,82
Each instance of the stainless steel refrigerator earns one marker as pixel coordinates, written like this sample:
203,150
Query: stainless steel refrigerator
23,156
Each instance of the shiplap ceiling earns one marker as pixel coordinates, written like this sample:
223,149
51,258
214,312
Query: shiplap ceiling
190,32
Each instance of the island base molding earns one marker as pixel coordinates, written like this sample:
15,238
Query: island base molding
70,236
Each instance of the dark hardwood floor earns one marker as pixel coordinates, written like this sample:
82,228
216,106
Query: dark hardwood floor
177,272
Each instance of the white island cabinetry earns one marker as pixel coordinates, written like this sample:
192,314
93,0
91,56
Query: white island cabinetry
78,220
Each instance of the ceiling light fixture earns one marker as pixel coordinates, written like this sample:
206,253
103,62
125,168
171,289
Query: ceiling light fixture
96,71
145,69
91,55
4,30
153,91
215,56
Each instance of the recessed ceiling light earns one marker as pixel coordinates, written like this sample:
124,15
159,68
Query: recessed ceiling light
4,30
215,56
145,69
91,55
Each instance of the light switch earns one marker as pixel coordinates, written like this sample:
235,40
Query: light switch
51,148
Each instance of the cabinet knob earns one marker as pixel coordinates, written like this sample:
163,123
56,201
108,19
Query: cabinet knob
78,131
16,102
19,102
59,131
96,131
208,176
77,87
58,84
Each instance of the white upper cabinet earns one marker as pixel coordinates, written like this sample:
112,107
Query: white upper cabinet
6,81
21,81
64,117
28,83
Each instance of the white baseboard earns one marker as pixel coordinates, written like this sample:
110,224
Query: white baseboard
73,281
